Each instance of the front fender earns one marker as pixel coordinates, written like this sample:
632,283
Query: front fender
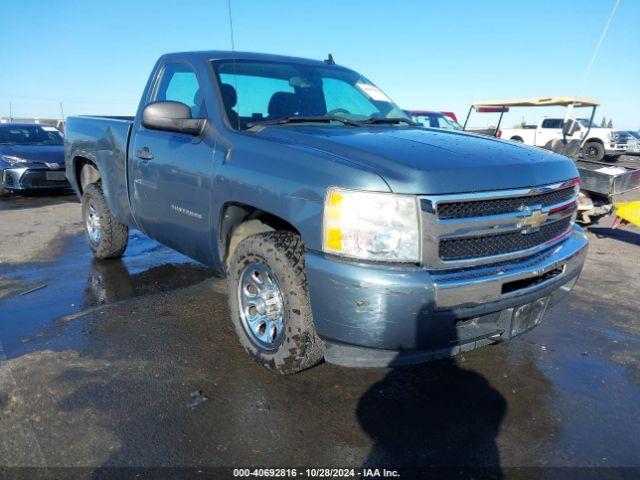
287,183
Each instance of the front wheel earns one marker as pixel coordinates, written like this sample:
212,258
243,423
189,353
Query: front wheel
269,302
594,151
106,236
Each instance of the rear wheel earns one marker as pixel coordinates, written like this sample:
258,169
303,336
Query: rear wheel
593,151
106,236
269,302
517,139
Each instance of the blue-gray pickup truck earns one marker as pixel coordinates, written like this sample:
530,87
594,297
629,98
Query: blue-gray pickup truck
346,231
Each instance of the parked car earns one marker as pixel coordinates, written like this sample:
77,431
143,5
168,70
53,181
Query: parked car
432,119
31,158
345,231
601,141
633,142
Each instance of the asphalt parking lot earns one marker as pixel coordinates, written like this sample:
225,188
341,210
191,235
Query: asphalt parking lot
134,363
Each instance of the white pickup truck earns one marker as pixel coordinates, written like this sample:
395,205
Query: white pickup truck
601,141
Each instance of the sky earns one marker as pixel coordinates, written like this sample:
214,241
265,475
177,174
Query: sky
95,56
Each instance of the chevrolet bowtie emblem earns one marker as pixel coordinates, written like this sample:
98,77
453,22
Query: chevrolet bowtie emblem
533,221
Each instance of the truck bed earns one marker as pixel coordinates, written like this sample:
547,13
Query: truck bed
102,141
111,117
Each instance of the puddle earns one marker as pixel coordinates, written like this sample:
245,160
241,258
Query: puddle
41,293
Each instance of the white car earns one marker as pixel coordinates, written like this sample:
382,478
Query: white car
601,141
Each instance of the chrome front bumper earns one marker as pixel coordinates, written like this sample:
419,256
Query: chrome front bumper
617,148
472,287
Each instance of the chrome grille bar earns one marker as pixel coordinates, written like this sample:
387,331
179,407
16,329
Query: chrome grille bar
526,218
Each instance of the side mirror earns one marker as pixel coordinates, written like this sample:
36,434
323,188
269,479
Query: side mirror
569,127
172,117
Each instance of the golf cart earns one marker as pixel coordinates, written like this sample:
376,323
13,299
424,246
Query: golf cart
603,184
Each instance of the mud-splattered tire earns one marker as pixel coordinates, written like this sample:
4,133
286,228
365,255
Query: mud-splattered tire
105,235
280,254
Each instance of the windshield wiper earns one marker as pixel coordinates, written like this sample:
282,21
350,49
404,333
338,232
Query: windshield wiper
387,121
285,120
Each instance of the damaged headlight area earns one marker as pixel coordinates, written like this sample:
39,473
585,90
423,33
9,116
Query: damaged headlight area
371,226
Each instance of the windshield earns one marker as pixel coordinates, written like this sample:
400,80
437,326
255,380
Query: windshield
258,91
635,134
437,120
29,135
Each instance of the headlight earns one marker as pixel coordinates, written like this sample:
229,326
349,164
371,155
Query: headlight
13,160
371,226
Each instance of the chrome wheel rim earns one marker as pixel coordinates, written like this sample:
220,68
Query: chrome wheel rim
261,306
92,223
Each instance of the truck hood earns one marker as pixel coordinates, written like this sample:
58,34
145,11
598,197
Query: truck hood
35,153
429,161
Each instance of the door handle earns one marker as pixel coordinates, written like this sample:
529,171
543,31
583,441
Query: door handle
144,154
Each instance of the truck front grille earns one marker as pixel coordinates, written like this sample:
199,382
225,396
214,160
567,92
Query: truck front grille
491,245
498,206
474,229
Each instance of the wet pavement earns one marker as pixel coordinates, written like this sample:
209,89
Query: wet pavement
134,363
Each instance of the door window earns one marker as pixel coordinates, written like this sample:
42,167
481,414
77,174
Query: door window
179,83
552,123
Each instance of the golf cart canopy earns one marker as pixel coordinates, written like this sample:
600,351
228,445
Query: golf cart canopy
503,106
540,102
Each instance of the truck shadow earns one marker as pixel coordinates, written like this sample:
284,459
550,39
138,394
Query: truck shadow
435,417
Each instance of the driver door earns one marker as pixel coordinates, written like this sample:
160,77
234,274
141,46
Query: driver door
171,172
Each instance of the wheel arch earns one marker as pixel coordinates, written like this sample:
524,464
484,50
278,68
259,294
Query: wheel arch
86,171
239,221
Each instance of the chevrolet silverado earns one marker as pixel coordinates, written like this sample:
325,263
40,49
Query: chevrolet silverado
346,231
